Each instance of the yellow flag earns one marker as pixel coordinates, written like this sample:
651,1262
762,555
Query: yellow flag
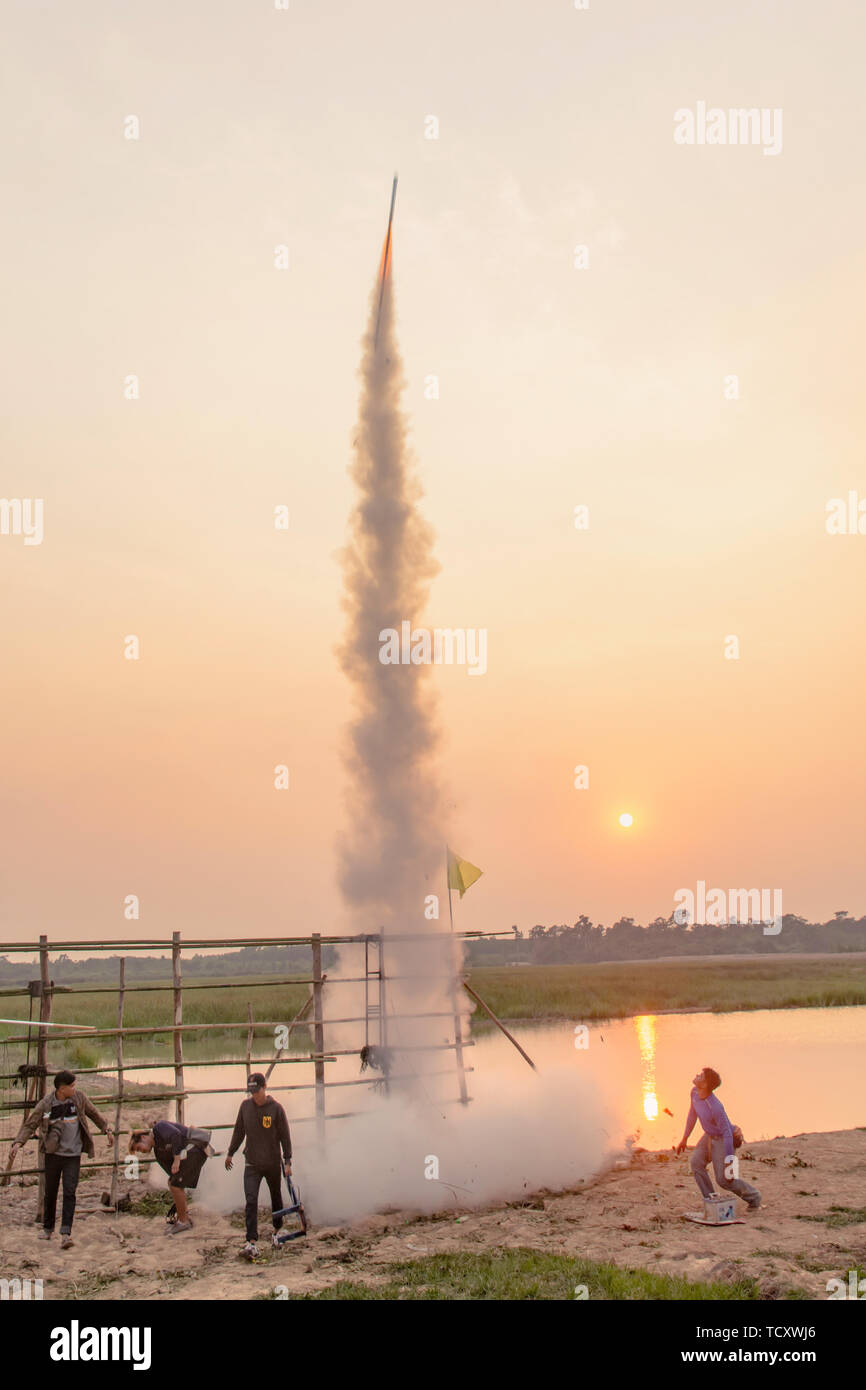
461,874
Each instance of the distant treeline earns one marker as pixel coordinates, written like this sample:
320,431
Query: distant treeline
628,940
558,945
251,960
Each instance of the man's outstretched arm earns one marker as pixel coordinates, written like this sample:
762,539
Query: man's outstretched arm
691,1121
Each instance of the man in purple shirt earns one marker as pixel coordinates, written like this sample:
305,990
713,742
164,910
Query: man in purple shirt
716,1143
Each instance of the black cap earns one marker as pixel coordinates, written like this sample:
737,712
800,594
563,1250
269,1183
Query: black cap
256,1081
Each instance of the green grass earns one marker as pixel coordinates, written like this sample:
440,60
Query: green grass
274,1003
839,1216
810,1266
522,1275
640,987
80,1055
149,1009
151,1204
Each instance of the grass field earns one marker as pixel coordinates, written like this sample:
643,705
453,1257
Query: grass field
640,987
274,1003
526,992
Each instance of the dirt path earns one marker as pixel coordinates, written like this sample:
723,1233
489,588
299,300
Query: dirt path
631,1214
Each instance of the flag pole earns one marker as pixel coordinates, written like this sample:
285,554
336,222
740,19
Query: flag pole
458,1030
448,883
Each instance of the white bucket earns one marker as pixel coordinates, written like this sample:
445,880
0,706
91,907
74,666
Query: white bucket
718,1210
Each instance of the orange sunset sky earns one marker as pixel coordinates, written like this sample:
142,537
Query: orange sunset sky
558,387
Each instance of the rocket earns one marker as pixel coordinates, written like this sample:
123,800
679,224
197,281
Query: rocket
386,261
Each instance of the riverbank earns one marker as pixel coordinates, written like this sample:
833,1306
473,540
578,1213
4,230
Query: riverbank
621,1234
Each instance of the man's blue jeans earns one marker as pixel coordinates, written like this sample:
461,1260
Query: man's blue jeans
714,1149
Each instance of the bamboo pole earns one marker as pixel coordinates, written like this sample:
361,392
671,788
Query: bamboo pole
501,1026
85,1168
161,1066
318,1036
250,1035
227,944
42,1060
166,988
383,1009
306,1086
117,1112
298,1018
458,1023
331,1053
133,1029
178,1022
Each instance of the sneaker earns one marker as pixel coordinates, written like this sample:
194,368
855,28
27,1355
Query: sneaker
753,1206
65,1242
45,1235
276,1240
179,1226
251,1250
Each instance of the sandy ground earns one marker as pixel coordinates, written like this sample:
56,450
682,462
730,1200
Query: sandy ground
631,1214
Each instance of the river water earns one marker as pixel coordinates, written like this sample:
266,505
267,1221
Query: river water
784,1071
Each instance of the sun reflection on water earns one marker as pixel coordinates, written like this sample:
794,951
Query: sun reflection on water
646,1037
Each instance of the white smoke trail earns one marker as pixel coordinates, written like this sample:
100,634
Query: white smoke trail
393,853
392,859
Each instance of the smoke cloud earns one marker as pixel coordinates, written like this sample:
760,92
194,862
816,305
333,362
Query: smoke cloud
412,1144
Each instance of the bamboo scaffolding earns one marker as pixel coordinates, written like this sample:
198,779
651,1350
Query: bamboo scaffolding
311,1015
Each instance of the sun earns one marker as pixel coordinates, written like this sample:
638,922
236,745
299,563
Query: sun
626,818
